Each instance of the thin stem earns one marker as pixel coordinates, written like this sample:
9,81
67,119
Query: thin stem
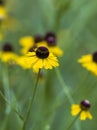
66,91
73,122
31,103
64,86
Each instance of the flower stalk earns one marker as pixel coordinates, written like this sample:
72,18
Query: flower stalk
31,103
73,122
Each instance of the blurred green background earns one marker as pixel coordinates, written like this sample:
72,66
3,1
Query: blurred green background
74,23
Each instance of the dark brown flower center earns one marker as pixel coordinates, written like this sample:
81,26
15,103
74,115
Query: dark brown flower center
50,38
42,52
38,38
95,57
7,48
85,105
2,2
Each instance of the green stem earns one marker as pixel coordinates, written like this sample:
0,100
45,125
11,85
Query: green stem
31,103
64,86
70,126
66,91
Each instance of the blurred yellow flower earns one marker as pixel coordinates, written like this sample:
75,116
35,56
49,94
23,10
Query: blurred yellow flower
28,42
6,21
89,62
7,55
3,13
81,109
49,40
40,58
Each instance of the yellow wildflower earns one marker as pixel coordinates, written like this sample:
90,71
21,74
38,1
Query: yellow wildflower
82,109
40,58
89,62
3,13
7,55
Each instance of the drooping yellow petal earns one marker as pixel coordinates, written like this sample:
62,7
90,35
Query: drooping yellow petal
89,115
31,61
91,67
83,115
75,109
52,57
47,64
88,63
38,64
22,61
56,51
53,62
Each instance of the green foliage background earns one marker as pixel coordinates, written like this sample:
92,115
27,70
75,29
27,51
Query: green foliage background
74,22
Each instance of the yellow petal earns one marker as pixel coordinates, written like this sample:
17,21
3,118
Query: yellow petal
91,67
53,62
31,61
75,109
46,64
89,115
85,59
56,51
83,115
3,13
87,62
8,57
38,64
27,41
50,62
21,61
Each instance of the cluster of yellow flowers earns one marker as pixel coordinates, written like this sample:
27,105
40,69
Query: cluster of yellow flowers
39,52
37,55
